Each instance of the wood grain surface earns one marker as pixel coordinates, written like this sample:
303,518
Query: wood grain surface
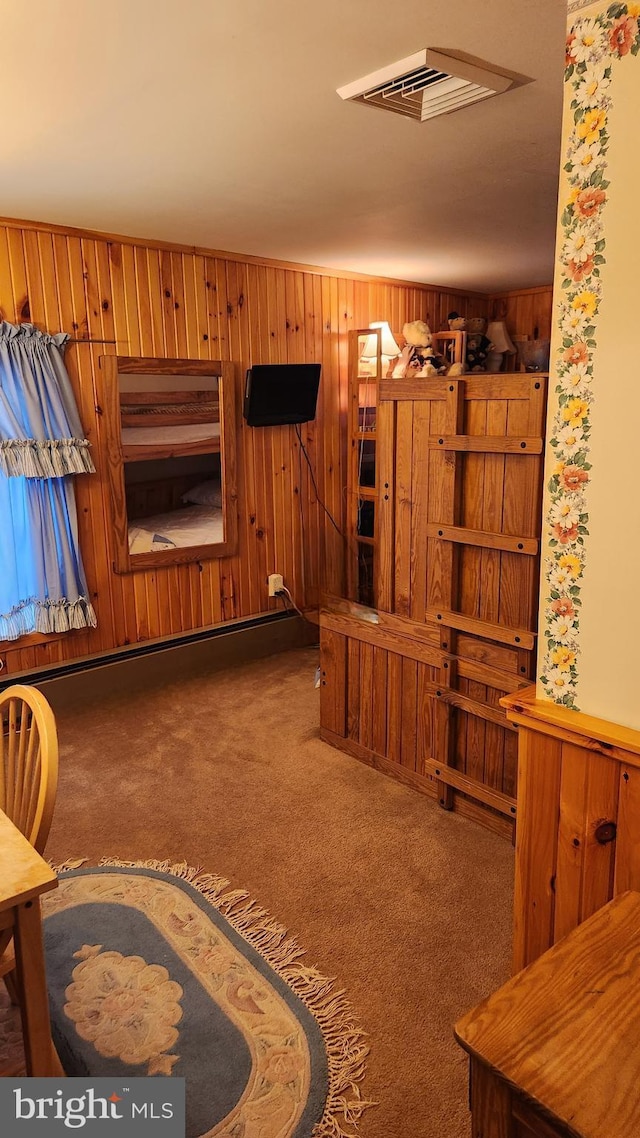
565,1032
456,556
578,841
171,303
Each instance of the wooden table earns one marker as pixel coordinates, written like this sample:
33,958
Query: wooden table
556,1051
24,875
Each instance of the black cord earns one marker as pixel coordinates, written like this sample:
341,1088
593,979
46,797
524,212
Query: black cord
315,487
285,594
302,523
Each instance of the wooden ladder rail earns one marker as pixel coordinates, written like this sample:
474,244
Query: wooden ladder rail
450,534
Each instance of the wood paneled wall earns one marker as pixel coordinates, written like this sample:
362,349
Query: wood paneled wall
169,301
527,311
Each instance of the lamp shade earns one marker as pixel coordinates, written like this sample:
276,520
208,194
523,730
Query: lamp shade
388,346
500,338
369,348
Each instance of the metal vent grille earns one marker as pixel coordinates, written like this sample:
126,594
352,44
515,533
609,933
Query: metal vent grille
427,84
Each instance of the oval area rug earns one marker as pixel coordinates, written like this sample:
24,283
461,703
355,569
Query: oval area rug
162,970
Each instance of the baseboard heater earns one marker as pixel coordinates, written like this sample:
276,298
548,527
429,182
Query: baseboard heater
252,633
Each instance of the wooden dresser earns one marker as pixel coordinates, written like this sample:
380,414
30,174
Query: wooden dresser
555,1052
578,834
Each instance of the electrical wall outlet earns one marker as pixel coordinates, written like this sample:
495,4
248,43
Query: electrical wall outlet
276,584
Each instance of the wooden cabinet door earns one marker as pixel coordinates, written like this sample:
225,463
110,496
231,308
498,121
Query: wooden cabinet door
333,672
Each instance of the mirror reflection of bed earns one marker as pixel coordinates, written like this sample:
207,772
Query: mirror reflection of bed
171,454
170,429
174,503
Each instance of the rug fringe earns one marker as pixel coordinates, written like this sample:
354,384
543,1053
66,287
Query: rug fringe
70,863
345,1042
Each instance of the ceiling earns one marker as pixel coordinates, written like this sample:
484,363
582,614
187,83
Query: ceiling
218,125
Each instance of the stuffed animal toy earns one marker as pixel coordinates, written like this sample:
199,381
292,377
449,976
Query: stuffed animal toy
418,358
478,345
456,322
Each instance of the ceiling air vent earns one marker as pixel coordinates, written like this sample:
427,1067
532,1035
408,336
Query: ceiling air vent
429,83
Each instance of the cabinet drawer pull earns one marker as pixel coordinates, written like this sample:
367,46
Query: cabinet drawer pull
605,833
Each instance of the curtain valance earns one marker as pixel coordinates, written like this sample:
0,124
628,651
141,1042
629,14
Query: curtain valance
40,431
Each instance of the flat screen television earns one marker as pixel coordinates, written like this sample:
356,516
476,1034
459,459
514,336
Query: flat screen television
276,394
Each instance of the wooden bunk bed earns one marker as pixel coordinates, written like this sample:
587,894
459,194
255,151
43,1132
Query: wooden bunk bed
412,679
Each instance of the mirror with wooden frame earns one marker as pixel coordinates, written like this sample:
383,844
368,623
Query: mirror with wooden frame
171,441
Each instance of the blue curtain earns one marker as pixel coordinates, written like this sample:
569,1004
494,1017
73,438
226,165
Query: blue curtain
42,444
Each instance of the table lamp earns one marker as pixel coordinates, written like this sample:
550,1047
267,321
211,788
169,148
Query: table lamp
501,342
389,350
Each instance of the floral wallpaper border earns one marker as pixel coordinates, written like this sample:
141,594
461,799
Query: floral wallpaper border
594,43
575,5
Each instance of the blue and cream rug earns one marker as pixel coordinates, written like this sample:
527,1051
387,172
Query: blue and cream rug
162,970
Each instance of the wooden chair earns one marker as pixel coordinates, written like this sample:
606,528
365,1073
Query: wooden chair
28,780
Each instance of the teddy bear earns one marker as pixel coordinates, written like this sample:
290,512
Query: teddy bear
478,344
456,322
418,359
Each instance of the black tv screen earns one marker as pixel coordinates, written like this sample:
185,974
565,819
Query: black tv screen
276,394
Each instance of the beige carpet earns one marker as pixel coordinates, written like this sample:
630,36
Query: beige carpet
408,906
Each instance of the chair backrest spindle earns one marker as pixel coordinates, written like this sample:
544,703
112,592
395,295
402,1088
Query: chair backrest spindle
28,762
28,768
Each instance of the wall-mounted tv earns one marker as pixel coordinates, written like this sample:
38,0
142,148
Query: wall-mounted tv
276,394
